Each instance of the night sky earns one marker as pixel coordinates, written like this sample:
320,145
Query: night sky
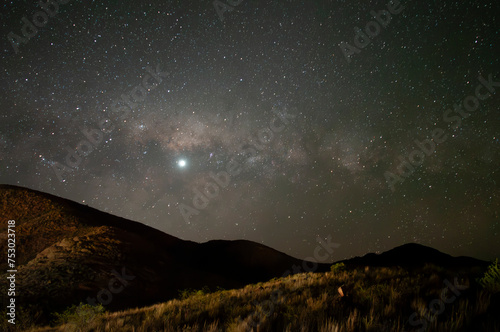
273,121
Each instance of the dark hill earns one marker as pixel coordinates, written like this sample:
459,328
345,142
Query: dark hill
67,252
413,255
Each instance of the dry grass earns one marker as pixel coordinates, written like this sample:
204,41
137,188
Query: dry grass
377,299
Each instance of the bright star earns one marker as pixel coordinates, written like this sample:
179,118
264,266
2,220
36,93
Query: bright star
181,163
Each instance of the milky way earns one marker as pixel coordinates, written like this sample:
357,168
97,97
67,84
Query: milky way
278,122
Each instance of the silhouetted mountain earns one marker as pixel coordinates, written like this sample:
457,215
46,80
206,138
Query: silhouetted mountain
67,252
413,255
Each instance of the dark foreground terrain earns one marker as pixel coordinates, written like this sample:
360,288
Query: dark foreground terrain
375,299
71,257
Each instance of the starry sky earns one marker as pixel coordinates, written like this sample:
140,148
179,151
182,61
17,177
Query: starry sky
370,123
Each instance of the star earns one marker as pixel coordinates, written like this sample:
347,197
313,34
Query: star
305,137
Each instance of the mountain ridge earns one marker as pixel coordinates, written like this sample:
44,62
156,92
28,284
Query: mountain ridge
414,255
68,252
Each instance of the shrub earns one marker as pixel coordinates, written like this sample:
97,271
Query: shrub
336,268
79,315
186,293
491,279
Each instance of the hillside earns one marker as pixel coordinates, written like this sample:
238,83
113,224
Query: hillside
68,252
377,299
413,255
